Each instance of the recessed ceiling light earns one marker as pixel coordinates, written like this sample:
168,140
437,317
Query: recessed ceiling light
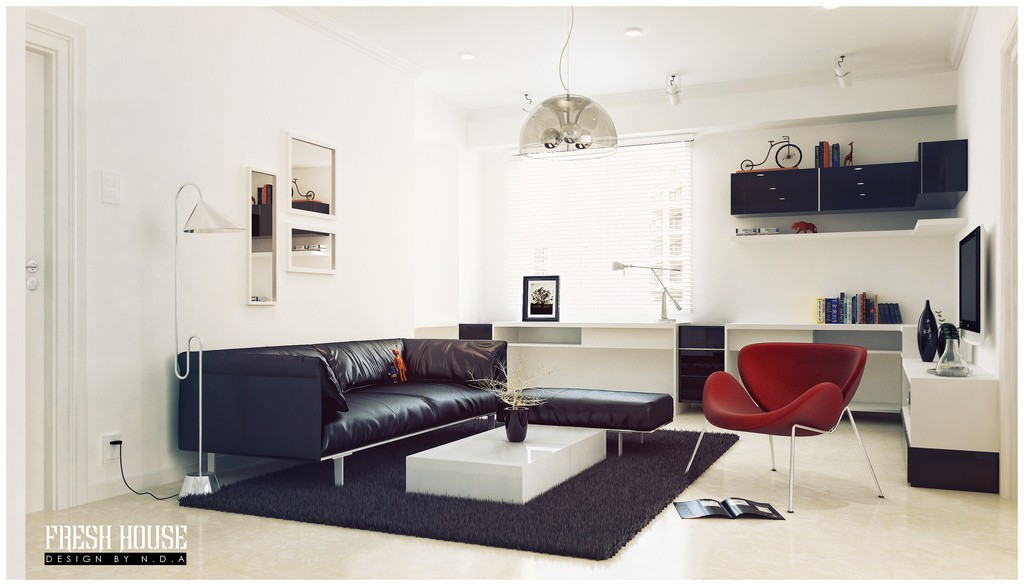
466,56
633,32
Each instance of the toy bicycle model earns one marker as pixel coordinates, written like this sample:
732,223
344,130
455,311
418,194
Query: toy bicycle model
788,155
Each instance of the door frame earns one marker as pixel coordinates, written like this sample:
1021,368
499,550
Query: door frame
63,45
1008,243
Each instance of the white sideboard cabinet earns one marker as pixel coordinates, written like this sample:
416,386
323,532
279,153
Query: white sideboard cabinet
952,428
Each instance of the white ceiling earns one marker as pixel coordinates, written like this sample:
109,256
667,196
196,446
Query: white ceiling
517,49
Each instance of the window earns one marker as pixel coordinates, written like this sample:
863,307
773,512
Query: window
574,218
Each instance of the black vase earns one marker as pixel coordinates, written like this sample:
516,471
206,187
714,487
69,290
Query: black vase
927,333
515,423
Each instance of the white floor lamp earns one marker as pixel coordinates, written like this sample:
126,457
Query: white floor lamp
665,295
202,220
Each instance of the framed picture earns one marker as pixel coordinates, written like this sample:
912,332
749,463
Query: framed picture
540,298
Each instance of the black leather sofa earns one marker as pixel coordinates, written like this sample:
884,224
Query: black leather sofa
325,401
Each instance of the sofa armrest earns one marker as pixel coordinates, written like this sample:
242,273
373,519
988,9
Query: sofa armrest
253,404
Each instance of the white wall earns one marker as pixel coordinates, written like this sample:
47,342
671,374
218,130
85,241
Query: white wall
979,119
14,294
767,281
440,140
181,95
982,118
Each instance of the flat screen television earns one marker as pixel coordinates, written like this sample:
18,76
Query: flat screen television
972,285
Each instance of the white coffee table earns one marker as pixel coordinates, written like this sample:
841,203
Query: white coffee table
487,466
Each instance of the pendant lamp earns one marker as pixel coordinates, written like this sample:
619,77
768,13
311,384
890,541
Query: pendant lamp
568,125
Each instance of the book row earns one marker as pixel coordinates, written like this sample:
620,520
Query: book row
828,154
310,248
264,195
860,308
757,231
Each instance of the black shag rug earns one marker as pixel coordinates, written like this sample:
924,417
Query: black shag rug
591,516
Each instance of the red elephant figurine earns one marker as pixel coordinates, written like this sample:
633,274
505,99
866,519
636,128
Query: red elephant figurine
804,227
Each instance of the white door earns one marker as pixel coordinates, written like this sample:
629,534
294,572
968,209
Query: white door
38,150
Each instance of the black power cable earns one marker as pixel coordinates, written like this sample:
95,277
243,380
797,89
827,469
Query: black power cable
120,462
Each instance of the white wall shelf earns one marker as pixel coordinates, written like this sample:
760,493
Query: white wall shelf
938,227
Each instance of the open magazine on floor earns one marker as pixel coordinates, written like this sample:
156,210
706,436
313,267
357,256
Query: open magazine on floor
730,508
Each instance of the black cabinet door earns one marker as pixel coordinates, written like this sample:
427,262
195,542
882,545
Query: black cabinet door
701,352
867,187
783,191
701,337
943,166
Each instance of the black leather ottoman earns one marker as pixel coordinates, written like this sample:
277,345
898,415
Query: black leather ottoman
620,411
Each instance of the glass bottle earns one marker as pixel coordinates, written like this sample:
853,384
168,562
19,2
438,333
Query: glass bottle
951,363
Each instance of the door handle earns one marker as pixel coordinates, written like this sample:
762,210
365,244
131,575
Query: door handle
31,266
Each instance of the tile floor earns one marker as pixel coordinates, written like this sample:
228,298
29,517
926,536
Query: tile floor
840,530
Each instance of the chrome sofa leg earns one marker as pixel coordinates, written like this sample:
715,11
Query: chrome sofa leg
620,443
339,471
865,450
771,446
695,448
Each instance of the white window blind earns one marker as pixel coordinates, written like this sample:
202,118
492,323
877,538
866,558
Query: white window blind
574,218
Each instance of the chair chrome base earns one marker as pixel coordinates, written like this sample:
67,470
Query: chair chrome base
792,452
197,483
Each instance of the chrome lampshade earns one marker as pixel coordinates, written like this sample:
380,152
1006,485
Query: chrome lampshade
568,123
206,220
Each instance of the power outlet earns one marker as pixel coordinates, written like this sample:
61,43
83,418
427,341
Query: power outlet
110,452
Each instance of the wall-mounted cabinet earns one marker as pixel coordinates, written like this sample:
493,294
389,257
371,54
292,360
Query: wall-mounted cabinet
943,167
937,180
311,250
262,251
859,187
781,191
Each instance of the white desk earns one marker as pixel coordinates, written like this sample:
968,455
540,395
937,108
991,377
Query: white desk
639,356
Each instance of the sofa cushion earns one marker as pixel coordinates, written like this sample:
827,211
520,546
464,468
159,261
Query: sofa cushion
387,411
454,360
614,410
358,364
330,390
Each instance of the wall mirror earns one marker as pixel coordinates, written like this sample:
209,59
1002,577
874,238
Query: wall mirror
312,177
311,250
262,250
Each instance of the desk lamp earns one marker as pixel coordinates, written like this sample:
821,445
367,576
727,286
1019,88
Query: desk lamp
665,295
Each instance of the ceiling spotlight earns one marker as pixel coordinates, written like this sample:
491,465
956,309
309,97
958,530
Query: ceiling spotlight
842,74
672,89
633,32
465,56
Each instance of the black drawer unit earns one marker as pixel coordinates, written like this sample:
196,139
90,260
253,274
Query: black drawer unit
701,352
782,191
866,187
